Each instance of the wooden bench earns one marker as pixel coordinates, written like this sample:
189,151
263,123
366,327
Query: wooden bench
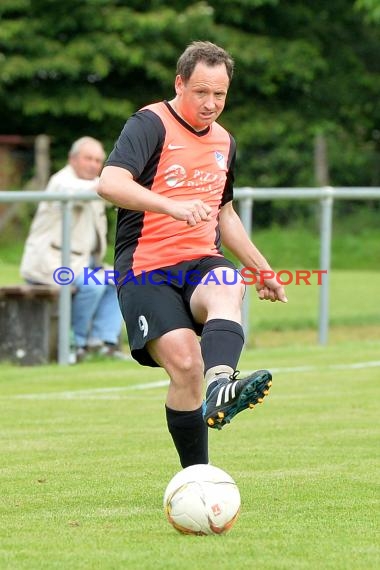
28,324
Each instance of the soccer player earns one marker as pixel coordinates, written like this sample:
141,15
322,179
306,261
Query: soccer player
171,174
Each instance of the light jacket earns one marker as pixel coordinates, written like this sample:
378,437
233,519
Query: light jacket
42,252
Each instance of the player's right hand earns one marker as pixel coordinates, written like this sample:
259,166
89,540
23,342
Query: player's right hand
191,211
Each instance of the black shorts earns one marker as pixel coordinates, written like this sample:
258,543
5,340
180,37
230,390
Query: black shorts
158,301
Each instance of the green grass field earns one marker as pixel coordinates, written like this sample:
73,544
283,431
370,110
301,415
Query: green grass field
352,295
86,456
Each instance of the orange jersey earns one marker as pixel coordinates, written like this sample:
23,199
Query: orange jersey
166,155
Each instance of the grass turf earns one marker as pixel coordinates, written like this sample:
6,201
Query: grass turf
351,303
86,457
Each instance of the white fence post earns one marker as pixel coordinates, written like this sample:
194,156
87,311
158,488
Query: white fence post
64,324
325,264
245,212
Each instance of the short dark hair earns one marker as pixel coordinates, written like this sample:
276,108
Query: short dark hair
206,52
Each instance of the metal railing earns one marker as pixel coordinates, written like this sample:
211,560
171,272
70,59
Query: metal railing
246,197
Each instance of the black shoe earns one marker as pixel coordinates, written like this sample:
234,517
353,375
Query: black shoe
81,354
231,396
111,351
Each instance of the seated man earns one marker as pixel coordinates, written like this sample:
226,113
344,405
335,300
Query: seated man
96,318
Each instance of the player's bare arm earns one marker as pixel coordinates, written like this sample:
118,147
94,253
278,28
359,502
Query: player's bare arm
117,186
235,238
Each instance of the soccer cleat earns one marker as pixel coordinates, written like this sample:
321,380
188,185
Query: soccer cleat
231,396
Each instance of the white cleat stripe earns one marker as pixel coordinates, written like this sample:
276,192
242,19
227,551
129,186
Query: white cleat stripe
233,389
220,394
227,393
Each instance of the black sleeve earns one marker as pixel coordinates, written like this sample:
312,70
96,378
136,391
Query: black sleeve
228,193
141,135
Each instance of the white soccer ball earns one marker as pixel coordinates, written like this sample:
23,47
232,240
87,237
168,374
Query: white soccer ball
202,499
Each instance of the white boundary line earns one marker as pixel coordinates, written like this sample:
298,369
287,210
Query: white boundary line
99,393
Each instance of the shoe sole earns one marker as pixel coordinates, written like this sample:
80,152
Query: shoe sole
253,393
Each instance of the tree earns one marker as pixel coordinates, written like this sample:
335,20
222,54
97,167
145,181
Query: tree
371,8
302,68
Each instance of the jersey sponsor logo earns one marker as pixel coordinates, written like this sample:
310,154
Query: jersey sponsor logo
143,325
175,175
212,182
220,160
175,146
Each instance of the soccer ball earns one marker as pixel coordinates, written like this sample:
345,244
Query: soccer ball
202,499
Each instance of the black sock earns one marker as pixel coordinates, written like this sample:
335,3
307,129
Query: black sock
190,435
221,343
